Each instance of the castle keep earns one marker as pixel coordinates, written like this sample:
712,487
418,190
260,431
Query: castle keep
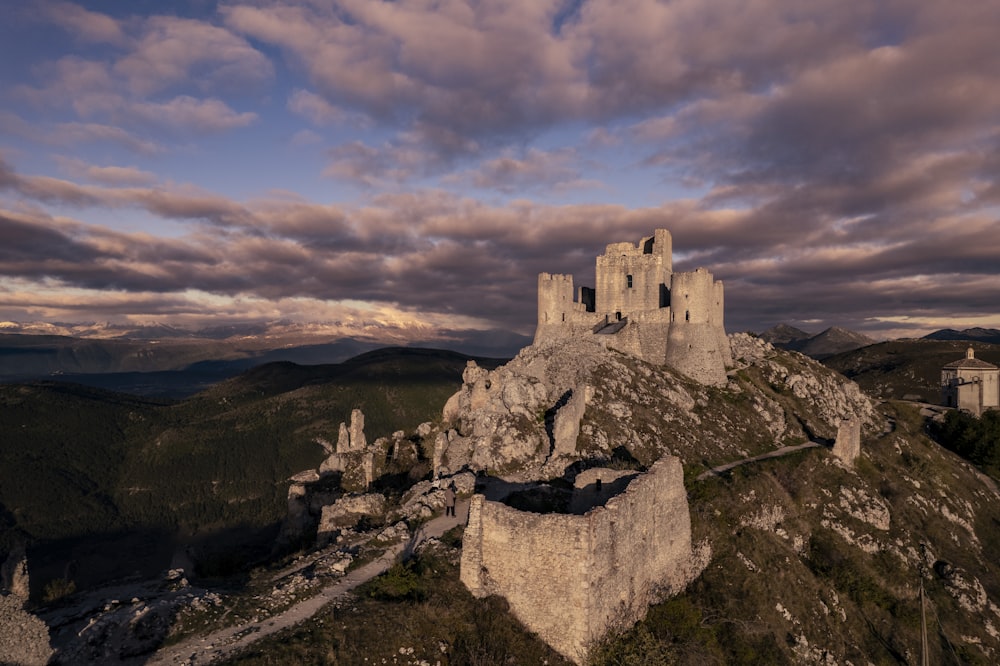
640,306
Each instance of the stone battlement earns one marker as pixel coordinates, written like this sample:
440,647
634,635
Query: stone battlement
673,319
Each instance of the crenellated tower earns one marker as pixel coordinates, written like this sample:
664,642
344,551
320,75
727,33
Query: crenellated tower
640,306
693,341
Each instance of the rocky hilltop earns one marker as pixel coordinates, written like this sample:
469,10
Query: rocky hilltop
576,402
786,553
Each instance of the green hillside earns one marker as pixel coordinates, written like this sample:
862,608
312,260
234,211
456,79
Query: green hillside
910,367
81,466
812,561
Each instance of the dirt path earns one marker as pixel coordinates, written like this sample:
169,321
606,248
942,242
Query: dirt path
227,642
777,453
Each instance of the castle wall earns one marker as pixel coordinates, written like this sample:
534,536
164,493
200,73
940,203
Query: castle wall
573,578
693,343
537,562
645,336
634,278
558,314
719,320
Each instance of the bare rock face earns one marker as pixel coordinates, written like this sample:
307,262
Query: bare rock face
343,439
347,511
14,574
496,416
847,446
24,639
747,348
358,441
828,394
426,497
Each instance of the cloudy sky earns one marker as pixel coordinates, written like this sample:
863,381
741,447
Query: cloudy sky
419,162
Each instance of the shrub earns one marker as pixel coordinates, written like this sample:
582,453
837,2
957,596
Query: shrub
400,583
56,589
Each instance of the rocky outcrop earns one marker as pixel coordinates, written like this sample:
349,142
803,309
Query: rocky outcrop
14,574
24,639
847,446
353,458
824,398
346,512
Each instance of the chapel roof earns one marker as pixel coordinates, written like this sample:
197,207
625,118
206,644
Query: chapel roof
970,362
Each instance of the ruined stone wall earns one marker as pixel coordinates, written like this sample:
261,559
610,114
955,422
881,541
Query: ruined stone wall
537,562
572,578
847,446
641,548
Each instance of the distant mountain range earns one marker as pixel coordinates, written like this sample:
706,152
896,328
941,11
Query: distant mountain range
834,340
990,335
167,361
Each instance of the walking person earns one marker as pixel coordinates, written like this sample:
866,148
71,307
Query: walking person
449,500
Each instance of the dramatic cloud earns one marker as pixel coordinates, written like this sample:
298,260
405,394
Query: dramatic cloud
173,51
106,175
315,108
510,172
833,163
206,115
84,24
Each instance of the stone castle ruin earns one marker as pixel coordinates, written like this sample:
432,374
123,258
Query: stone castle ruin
642,307
572,578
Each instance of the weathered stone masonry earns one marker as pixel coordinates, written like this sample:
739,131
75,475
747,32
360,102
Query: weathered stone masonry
572,578
642,307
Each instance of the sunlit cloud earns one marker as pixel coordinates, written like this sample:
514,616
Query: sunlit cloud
838,161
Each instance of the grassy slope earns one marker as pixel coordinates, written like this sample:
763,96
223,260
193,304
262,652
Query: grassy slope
801,563
78,463
782,517
906,367
418,610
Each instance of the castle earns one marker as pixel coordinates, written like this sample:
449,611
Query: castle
642,307
970,384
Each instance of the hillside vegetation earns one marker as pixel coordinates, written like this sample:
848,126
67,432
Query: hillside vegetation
906,368
813,561
96,478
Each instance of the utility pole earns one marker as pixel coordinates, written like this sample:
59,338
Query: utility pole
924,656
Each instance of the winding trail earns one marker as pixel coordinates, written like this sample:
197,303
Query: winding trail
777,453
226,642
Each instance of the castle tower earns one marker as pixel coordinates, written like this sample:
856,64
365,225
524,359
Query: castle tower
555,305
718,322
632,279
693,343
